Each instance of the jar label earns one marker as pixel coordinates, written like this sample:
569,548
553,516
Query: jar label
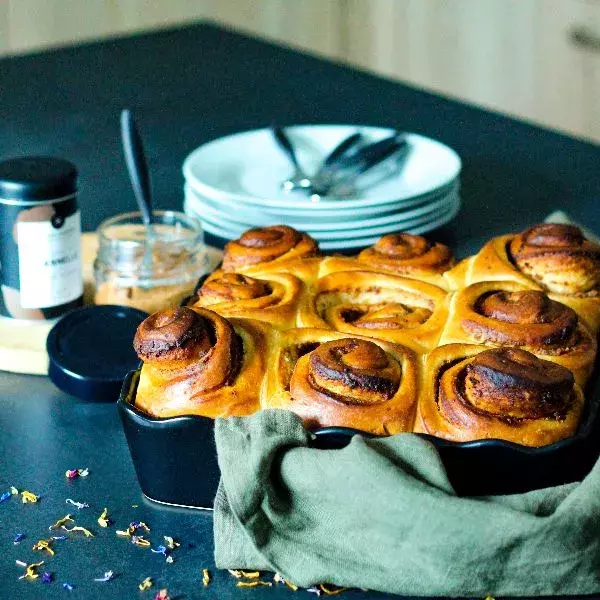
50,261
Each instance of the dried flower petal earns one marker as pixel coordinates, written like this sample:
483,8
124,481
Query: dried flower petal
46,577
139,540
5,496
61,522
240,574
146,584
18,538
44,545
103,519
13,490
71,473
205,577
30,570
171,543
68,586
162,595
107,577
79,505
314,590
83,530
169,560
255,583
28,497
159,550
278,578
332,591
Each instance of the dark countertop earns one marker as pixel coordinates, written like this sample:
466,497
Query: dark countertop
187,86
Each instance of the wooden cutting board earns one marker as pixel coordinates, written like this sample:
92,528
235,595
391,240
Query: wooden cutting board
23,343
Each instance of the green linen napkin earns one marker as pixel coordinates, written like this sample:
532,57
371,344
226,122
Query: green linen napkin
381,514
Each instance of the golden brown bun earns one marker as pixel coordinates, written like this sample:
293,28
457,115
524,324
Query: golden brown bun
471,393
198,363
505,313
400,254
396,309
329,378
278,248
270,297
550,257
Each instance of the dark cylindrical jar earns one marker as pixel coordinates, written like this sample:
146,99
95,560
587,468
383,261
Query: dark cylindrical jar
40,238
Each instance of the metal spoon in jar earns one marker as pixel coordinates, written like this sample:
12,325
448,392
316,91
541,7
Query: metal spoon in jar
139,175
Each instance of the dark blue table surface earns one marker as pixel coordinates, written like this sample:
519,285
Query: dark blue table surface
188,86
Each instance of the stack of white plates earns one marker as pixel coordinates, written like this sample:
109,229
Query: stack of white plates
234,184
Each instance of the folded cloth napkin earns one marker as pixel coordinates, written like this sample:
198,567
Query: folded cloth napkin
381,514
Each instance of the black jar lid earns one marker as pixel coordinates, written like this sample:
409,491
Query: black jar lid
90,351
31,179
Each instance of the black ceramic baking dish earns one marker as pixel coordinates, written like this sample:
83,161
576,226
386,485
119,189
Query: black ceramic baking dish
176,462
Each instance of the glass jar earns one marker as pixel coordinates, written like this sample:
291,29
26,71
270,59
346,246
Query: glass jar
149,272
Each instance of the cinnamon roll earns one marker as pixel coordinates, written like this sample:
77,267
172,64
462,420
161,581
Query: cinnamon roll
328,378
400,254
505,313
270,297
472,393
277,248
381,305
195,362
550,257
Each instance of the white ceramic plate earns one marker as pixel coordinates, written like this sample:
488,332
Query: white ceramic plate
205,208
351,239
249,167
301,212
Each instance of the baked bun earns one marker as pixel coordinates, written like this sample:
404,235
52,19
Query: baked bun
195,362
400,254
381,305
472,393
271,297
328,378
550,257
277,248
505,313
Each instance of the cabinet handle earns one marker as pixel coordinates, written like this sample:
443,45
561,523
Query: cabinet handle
585,38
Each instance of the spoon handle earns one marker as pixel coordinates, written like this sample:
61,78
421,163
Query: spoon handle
285,144
342,149
137,166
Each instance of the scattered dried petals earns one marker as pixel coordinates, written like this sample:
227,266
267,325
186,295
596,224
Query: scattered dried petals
146,584
103,519
107,577
162,595
44,545
205,577
18,538
13,490
79,505
46,577
68,586
255,583
30,570
28,497
5,496
62,522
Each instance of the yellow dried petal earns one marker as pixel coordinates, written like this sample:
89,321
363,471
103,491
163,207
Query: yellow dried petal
30,571
255,583
205,577
44,545
103,519
332,592
61,522
28,497
140,541
146,584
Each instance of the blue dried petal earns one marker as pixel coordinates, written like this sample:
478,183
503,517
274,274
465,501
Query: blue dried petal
18,538
68,586
5,496
46,577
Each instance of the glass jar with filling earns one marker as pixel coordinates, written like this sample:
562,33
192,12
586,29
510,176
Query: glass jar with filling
149,269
